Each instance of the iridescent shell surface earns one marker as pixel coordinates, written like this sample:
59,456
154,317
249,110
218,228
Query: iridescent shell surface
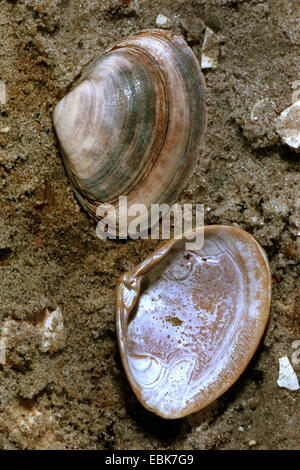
134,122
188,322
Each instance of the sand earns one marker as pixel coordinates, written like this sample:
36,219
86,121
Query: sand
69,390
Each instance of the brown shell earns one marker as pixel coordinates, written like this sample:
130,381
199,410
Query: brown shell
134,122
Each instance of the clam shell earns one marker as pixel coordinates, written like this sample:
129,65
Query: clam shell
134,122
188,322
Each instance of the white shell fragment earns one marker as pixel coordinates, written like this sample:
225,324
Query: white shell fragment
52,331
162,21
6,333
210,50
2,92
288,126
287,377
2,352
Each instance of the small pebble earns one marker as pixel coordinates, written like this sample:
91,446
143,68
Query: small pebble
2,92
193,27
162,21
252,443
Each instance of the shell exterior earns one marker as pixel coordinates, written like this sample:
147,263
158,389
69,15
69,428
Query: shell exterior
188,322
134,122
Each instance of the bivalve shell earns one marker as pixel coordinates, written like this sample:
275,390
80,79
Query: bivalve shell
189,321
134,122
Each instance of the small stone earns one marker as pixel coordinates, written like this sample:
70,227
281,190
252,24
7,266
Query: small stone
2,352
296,92
2,92
193,27
252,443
287,377
288,126
296,345
210,50
162,21
213,22
5,339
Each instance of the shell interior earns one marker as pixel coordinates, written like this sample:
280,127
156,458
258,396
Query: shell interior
189,321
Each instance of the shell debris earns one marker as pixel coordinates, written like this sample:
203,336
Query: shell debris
2,352
287,377
52,331
210,50
5,339
2,92
288,126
